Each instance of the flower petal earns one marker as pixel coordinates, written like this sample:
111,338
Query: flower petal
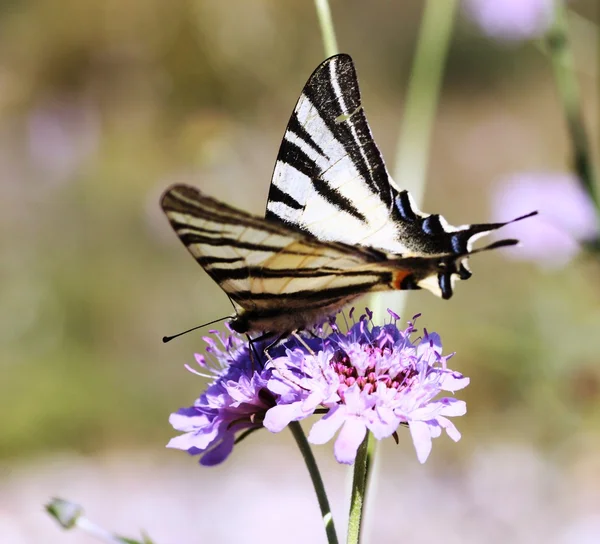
421,437
324,429
453,382
278,417
219,453
351,436
185,442
452,407
450,428
182,422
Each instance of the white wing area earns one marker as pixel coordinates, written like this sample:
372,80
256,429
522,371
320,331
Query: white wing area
319,216
325,173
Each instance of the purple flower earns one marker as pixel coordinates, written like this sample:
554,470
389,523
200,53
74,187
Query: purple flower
567,217
369,379
511,20
235,401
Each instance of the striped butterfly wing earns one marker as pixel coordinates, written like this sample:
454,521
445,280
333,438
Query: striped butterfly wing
330,180
279,278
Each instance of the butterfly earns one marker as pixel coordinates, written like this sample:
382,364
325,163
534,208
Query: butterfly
336,226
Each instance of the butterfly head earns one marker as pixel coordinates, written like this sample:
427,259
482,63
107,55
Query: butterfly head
240,323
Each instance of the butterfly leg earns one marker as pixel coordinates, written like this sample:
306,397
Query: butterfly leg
254,353
261,338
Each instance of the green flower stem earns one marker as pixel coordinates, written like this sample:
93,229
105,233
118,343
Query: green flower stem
315,476
98,532
326,25
359,488
412,151
70,515
422,97
371,451
557,41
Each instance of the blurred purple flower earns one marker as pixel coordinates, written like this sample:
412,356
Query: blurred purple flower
510,20
62,135
566,219
370,379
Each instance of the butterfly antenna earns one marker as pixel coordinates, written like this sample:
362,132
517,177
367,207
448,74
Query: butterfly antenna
169,338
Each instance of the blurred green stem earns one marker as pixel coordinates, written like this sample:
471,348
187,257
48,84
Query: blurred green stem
557,41
326,25
412,151
422,97
317,481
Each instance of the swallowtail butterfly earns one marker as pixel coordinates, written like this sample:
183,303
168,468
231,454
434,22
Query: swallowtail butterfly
336,227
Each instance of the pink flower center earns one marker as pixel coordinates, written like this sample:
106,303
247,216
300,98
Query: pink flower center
368,379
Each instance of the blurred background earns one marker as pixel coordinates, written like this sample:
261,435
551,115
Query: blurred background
103,104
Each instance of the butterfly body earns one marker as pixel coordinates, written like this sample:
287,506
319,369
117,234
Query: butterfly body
336,226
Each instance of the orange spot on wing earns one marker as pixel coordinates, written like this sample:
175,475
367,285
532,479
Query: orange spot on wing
398,278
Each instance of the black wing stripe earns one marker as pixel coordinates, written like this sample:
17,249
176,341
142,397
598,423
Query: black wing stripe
353,132
190,239
292,155
196,238
277,195
296,128
241,273
211,261
335,198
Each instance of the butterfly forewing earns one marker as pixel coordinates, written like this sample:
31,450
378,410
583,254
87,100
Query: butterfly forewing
330,179
269,270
